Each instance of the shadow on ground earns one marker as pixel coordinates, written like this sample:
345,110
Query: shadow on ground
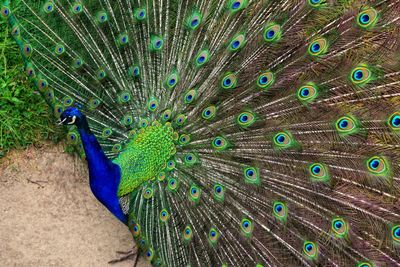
49,216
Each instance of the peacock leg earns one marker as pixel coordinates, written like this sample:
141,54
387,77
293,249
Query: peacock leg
127,255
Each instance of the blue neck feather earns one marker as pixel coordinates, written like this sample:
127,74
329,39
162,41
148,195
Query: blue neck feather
104,175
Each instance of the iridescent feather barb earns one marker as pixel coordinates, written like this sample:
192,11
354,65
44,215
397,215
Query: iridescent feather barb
241,133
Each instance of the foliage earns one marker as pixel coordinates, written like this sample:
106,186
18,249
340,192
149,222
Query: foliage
24,115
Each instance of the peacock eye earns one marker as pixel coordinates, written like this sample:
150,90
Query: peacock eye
5,11
237,42
265,80
172,80
140,14
236,5
280,138
247,227
219,143
251,175
316,3
315,47
361,75
310,249
364,19
245,119
278,208
318,47
358,75
378,165
367,18
396,233
396,121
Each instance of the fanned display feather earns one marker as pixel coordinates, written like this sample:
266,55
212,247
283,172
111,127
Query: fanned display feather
247,132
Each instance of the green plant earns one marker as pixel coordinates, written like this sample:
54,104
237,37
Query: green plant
24,115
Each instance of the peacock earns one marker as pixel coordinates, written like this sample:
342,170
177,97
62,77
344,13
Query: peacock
230,132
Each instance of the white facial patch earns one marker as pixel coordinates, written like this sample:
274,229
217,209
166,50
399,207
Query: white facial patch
73,120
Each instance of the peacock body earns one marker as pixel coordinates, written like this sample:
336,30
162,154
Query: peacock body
230,132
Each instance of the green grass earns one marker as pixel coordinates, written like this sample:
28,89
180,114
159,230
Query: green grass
25,118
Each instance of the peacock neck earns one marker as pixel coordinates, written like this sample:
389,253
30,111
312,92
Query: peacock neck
104,175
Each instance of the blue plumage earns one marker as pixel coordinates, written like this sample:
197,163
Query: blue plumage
104,175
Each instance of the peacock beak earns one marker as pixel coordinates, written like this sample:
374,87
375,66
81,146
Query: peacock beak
60,122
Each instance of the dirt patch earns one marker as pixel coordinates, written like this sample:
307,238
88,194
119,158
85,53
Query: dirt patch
49,216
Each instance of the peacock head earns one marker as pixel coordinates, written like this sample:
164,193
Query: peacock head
71,116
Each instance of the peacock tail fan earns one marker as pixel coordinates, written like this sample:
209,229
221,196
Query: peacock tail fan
249,133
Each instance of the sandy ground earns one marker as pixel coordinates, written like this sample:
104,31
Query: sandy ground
58,222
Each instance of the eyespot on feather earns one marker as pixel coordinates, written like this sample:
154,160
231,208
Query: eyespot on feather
194,20
316,3
272,32
101,17
156,43
213,236
361,75
246,227
310,250
367,18
229,81
340,227
237,5
187,233
246,119
219,143
378,166
76,8
283,140
266,80
307,93
202,58
318,47
152,105
237,42
319,172
251,175
5,11
172,80
219,192
194,193
209,112
280,211
140,14
190,96
394,121
347,125
164,215
396,234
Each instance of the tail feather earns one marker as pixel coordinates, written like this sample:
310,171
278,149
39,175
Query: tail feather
286,116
